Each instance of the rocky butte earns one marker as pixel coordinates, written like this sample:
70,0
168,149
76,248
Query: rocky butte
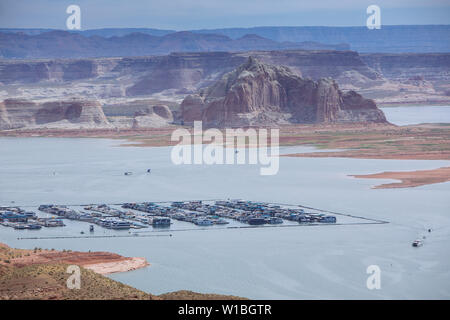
261,94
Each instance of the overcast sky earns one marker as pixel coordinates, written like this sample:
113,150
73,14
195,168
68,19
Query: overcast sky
198,14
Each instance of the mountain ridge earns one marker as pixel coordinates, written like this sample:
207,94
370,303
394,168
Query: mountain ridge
64,44
388,39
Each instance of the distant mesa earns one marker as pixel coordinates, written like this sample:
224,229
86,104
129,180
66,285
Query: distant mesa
393,39
15,45
262,94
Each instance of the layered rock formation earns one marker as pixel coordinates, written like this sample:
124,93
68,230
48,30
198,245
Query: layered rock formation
179,70
16,113
410,66
262,94
387,78
80,114
196,70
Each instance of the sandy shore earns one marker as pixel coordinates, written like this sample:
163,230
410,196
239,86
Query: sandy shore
120,266
357,154
410,179
356,140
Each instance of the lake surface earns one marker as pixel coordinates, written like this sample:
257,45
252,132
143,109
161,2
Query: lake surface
267,263
403,116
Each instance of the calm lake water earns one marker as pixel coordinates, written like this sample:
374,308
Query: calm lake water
269,263
403,116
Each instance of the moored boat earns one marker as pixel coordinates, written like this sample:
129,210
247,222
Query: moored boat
256,221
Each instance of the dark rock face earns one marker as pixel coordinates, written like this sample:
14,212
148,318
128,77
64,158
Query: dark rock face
262,94
163,111
52,112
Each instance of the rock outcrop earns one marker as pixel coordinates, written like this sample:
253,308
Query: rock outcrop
262,94
82,114
153,117
17,113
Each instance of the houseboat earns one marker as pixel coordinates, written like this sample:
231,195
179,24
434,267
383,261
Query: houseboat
221,221
256,221
161,222
114,224
203,222
275,220
328,219
304,219
34,226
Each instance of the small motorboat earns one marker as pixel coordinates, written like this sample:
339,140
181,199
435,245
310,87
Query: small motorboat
417,243
34,226
256,221
221,221
128,173
275,220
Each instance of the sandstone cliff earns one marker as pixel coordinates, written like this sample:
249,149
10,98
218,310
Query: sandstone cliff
82,114
262,94
16,113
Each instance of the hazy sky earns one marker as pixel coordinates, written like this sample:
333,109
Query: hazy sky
197,14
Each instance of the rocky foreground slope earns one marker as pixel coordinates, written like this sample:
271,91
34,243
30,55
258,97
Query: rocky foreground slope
262,94
42,275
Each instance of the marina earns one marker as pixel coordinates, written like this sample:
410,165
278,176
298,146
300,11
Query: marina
189,215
